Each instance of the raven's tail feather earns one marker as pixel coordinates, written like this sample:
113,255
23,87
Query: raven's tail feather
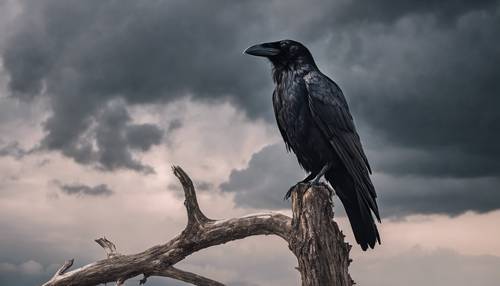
357,208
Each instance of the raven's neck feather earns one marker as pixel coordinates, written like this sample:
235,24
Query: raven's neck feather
280,71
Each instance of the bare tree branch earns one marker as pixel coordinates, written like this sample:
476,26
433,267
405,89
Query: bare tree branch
67,264
312,235
187,277
108,246
195,216
199,233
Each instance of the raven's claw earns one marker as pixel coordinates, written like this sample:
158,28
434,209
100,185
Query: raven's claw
292,188
289,193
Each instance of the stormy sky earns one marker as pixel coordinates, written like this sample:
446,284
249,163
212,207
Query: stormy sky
99,98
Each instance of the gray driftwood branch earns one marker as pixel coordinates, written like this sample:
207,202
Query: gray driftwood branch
312,235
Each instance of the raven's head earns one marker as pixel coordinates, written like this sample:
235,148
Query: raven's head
285,53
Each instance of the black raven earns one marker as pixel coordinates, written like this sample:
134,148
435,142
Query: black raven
315,122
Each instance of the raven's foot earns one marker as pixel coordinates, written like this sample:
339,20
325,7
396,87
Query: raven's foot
307,184
310,177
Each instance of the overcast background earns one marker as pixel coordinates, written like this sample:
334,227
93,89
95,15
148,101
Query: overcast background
99,98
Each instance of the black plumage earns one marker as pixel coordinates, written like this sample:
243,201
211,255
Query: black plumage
314,120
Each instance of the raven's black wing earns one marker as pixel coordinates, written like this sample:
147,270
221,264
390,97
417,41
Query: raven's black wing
331,114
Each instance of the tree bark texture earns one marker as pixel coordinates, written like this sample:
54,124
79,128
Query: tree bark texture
316,240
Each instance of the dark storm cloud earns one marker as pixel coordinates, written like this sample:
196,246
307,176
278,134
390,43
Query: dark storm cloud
444,162
83,54
115,136
271,172
84,190
108,139
263,184
143,136
434,91
399,196
388,11
415,83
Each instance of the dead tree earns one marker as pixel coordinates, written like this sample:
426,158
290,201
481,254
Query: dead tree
312,235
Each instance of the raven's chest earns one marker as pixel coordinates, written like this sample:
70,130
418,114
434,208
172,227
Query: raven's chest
292,108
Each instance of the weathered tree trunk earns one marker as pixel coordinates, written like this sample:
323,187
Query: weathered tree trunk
312,235
316,240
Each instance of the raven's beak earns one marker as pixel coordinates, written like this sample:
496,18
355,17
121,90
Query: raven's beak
263,50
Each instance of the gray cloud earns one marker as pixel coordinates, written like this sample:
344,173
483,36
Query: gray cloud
434,93
263,184
84,190
441,267
386,11
200,186
421,79
418,266
26,273
399,196
388,57
108,140
81,55
143,136
33,273
446,162
114,134
204,186
174,124
271,171
13,149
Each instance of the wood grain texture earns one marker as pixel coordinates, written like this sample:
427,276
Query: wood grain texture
316,240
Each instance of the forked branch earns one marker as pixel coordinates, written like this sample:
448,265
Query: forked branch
200,232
